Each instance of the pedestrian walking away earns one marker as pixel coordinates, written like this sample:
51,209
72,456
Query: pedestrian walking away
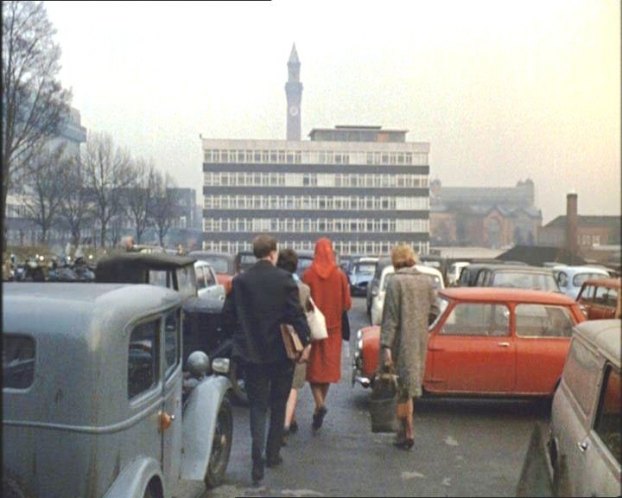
288,260
410,300
261,299
331,293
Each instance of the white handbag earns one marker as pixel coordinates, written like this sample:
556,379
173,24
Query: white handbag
317,322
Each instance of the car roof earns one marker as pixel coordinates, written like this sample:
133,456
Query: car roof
616,283
582,269
198,254
605,335
504,294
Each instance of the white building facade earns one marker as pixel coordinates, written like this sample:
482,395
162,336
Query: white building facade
364,188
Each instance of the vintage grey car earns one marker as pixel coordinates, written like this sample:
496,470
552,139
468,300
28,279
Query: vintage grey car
94,399
580,452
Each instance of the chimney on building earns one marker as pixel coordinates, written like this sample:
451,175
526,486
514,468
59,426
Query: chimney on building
572,220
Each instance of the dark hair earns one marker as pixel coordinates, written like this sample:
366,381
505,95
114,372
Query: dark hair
288,260
263,245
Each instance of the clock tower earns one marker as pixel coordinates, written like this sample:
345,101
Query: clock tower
293,90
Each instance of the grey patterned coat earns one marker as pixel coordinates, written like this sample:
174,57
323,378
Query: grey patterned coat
410,298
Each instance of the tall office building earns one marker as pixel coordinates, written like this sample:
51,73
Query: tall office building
363,187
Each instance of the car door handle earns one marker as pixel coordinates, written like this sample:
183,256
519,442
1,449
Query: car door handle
583,446
503,344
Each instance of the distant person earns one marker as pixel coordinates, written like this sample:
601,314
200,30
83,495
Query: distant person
288,260
261,299
331,293
409,301
127,243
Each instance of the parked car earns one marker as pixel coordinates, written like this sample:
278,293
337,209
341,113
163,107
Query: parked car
487,341
373,285
92,381
203,327
601,298
223,264
207,282
244,260
571,278
509,275
580,453
468,274
361,273
377,300
454,270
305,258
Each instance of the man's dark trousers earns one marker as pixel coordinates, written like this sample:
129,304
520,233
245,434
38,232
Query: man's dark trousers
267,386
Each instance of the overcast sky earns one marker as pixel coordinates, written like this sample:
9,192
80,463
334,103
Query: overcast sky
502,91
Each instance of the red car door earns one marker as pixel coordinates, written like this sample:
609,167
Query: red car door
543,334
472,351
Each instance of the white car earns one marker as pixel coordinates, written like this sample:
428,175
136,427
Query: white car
377,297
570,278
207,283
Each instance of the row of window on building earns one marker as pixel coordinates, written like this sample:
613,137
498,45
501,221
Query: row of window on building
316,202
320,225
273,179
341,247
314,157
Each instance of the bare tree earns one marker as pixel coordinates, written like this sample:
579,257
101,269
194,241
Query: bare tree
76,208
108,173
140,195
44,182
164,204
33,100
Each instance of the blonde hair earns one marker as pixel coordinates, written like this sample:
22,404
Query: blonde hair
403,256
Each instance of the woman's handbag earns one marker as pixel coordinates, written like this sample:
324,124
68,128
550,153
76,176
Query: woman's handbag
316,321
345,326
383,401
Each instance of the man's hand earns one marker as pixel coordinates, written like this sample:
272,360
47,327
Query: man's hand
304,356
387,359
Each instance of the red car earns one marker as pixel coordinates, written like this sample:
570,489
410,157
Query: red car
488,341
600,298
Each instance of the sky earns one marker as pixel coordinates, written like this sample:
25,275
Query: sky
502,91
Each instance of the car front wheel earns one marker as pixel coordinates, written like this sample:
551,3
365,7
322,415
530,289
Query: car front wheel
221,445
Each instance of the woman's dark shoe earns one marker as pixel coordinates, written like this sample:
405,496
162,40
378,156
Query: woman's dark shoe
318,417
293,427
405,444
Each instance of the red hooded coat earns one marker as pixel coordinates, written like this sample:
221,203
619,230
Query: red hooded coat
331,292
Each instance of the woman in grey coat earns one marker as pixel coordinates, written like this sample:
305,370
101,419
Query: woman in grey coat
409,301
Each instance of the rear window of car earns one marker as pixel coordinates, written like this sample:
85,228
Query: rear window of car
541,320
606,296
579,278
524,281
368,268
581,375
18,361
483,319
607,422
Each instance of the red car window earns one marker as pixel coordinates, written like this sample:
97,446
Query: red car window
477,319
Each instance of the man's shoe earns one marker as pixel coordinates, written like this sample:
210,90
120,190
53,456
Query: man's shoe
257,472
274,461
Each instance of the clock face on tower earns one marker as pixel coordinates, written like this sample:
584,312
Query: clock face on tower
293,110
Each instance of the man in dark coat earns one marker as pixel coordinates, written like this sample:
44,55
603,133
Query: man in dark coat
261,299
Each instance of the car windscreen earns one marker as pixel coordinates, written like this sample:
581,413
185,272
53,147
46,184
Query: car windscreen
366,268
524,280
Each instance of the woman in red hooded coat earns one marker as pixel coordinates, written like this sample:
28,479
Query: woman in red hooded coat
331,293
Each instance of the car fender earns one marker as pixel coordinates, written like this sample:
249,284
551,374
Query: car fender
199,421
133,480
